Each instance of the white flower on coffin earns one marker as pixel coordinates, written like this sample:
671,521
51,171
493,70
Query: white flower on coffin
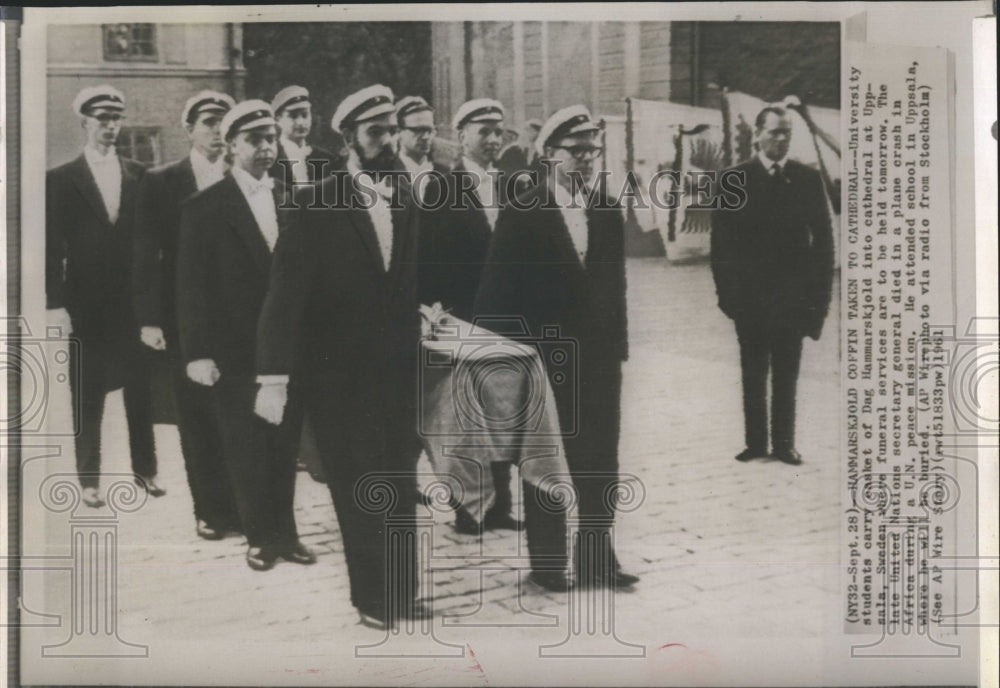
432,319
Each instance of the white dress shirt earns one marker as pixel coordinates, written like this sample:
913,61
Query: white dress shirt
379,212
419,173
769,164
298,155
206,173
574,217
261,200
107,171
486,189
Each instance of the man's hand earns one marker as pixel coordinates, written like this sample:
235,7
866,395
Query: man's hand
271,400
153,338
59,317
203,371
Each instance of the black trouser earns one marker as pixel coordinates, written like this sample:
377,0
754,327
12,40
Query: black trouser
371,473
201,445
503,502
545,526
260,462
96,366
778,349
592,423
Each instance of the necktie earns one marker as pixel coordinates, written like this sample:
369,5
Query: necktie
776,173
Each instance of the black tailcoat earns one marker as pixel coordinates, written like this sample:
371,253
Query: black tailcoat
88,269
158,219
533,272
454,240
224,265
348,331
162,192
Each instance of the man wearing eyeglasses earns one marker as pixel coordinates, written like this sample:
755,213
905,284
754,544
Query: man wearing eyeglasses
90,208
341,321
455,238
154,283
557,260
228,233
416,139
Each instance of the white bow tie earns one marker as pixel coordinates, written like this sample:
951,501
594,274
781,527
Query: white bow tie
383,187
265,184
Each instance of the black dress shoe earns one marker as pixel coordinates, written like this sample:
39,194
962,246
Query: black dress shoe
152,488
501,521
465,524
261,558
555,581
789,456
373,620
625,580
299,554
92,498
418,611
207,532
750,453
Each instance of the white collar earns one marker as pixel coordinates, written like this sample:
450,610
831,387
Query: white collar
469,164
769,164
95,157
248,183
413,166
564,200
354,169
201,162
293,149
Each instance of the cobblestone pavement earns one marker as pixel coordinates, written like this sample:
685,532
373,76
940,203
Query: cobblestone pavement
726,551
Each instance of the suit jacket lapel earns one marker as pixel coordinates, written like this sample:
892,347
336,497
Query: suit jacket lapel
129,183
240,217
85,183
187,184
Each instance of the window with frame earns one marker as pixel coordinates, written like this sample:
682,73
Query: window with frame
141,144
130,42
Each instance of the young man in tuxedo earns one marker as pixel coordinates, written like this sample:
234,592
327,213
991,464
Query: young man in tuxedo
455,238
89,213
228,233
154,286
557,260
341,322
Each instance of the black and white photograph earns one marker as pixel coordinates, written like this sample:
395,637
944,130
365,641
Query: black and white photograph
532,345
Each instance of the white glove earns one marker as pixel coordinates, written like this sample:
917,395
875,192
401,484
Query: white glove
153,338
203,371
271,400
59,317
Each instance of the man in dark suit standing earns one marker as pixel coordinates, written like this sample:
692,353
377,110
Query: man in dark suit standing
341,320
90,207
298,160
772,260
227,234
154,285
557,261
455,238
